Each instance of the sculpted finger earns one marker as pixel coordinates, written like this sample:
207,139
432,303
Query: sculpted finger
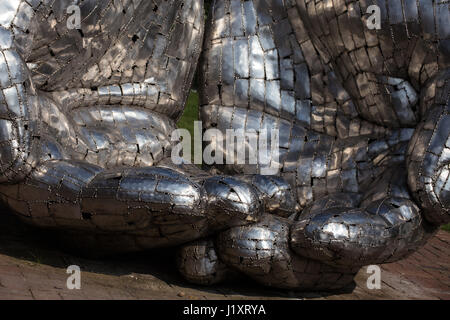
230,202
262,252
386,227
275,193
429,164
198,263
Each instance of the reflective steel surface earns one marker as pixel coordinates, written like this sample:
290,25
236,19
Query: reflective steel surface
87,117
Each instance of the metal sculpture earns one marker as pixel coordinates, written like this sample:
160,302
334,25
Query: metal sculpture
88,113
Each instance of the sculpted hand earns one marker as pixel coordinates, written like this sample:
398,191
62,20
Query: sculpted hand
87,119
362,119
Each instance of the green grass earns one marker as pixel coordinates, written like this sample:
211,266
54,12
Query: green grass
190,113
446,227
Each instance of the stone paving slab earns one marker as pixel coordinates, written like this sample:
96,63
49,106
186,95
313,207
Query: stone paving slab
32,267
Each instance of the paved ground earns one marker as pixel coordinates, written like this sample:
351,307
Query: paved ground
32,267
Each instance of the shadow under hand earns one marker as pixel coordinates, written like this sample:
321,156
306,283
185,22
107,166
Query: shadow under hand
24,242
